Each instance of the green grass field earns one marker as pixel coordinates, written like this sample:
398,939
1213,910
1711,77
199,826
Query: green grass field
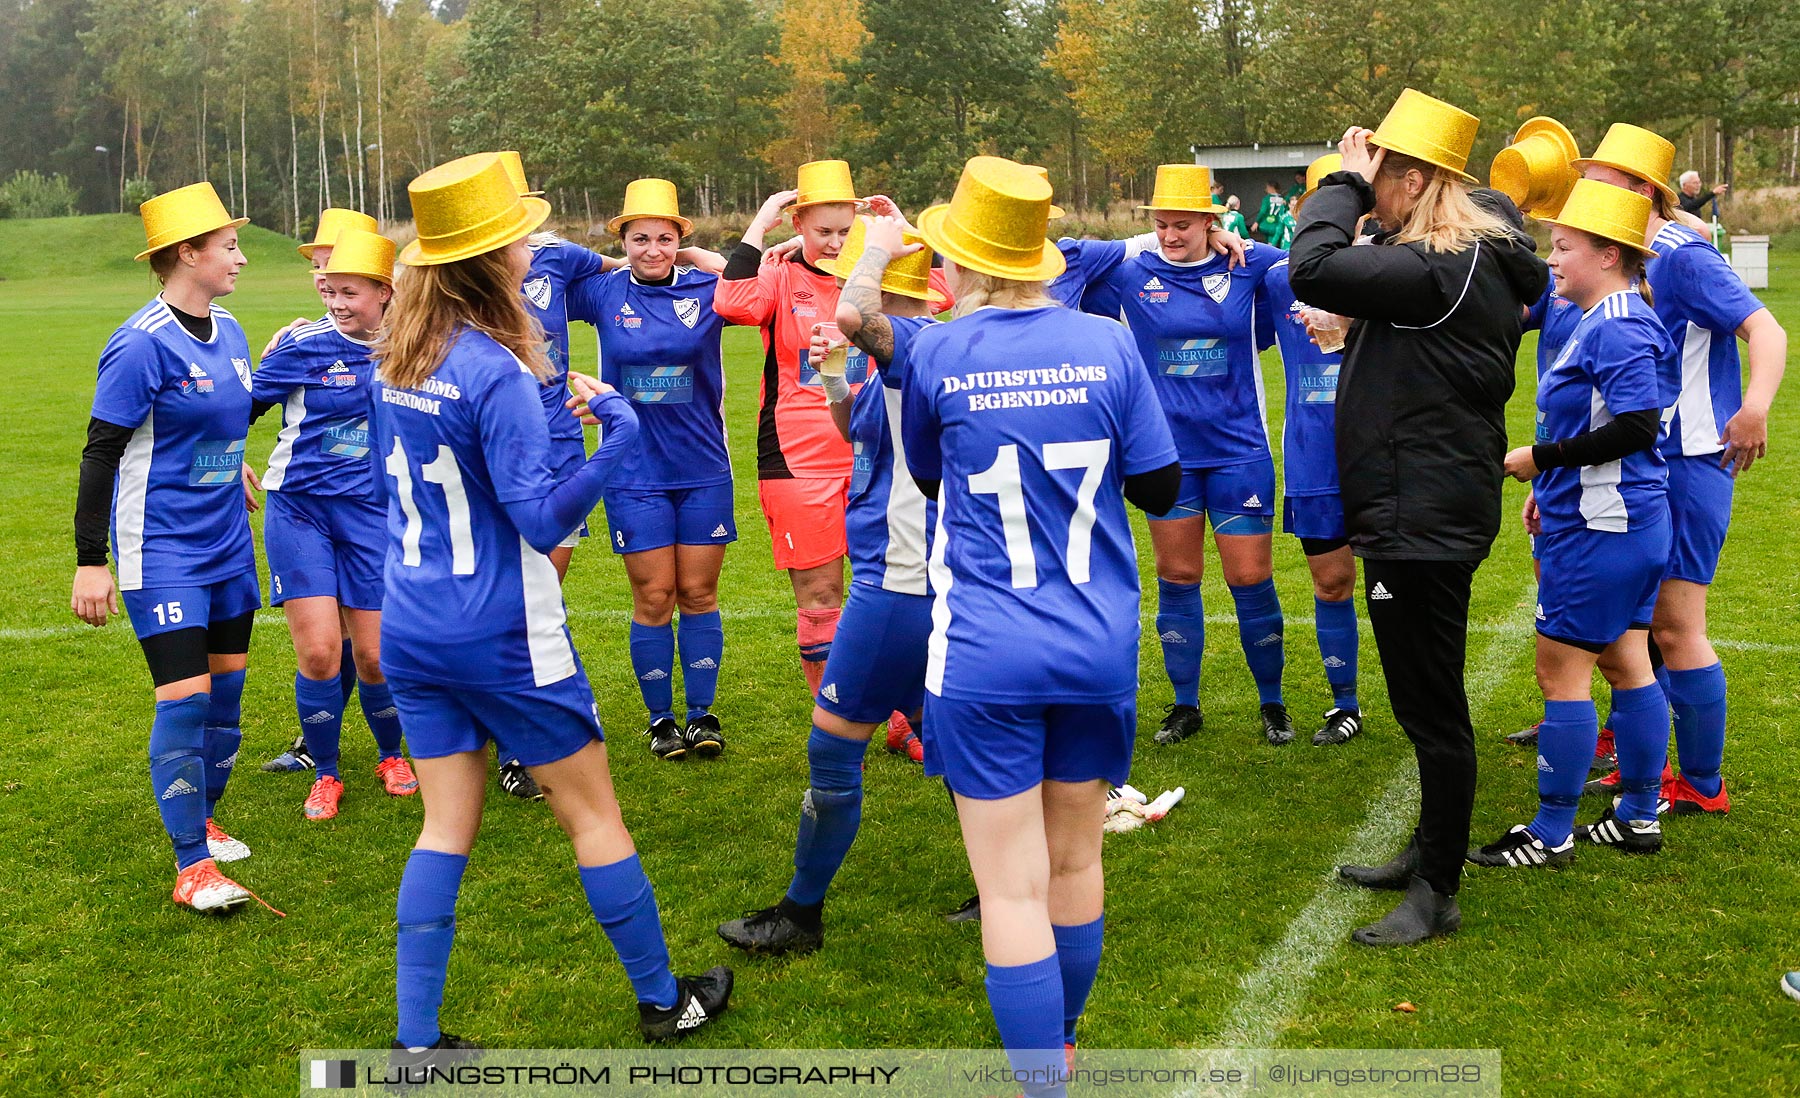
1613,976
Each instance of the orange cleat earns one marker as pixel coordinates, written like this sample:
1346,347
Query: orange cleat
1685,800
902,739
223,847
397,776
322,801
202,887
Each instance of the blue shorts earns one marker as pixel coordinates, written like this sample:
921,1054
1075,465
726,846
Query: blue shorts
1596,585
566,455
535,726
877,663
1319,518
988,751
658,518
156,610
333,546
1700,509
1240,499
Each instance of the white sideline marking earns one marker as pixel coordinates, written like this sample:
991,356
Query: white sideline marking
1270,995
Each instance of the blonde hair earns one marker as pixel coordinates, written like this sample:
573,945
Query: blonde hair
975,290
430,306
538,240
1445,218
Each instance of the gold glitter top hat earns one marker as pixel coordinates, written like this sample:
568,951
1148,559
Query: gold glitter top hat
823,181
1317,171
362,253
1636,152
907,275
1057,213
995,222
1612,213
1183,188
183,214
515,170
1537,170
1430,130
466,208
651,198
334,221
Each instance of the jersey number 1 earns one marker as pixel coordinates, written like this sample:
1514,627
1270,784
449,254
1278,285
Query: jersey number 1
1002,480
444,472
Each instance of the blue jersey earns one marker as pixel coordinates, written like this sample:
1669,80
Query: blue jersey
1612,364
1032,419
888,520
1555,318
1309,432
557,266
468,601
1195,327
659,345
178,517
320,378
1702,303
1083,285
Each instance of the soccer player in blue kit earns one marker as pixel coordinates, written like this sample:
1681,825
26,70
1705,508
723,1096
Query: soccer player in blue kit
1192,314
474,633
164,461
1600,486
1031,425
669,504
325,530
877,662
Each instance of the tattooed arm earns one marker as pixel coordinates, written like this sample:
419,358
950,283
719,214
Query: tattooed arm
859,314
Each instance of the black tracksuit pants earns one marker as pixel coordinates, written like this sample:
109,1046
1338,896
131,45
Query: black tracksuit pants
1419,610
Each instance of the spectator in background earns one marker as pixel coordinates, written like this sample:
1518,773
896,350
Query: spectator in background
1298,189
1695,197
1233,219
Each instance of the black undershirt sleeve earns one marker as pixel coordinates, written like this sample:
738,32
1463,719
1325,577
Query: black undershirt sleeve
1156,491
744,262
93,499
1626,434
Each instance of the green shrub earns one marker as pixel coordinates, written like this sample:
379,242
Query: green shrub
32,194
137,192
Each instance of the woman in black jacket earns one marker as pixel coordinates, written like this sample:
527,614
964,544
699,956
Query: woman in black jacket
1438,299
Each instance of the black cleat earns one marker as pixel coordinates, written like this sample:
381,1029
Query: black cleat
1519,848
702,736
1340,725
785,928
1179,722
515,779
410,1068
1392,877
1524,737
296,757
666,741
1630,836
698,1000
969,912
1277,726
1423,915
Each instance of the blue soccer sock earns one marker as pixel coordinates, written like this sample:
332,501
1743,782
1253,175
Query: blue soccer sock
702,640
321,707
178,774
347,673
1260,634
1565,751
1698,698
1078,956
383,716
1335,624
1181,625
624,905
1027,1001
426,912
653,662
1640,724
830,814
224,715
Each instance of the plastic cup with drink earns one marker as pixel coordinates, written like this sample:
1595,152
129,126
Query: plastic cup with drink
1325,328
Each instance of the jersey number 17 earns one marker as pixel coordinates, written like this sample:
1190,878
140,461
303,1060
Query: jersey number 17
1002,480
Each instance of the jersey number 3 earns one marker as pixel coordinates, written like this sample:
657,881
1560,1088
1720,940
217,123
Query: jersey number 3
444,472
1002,480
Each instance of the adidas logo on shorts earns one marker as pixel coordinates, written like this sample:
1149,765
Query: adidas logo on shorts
317,718
1379,591
719,531
1173,637
1333,662
655,674
830,692
1254,500
1540,611
1272,638
704,663
178,788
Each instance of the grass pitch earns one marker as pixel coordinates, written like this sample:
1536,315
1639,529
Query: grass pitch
1617,975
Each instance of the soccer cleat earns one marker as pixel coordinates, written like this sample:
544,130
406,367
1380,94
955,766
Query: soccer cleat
969,912
1631,836
698,1000
296,757
1608,784
202,887
1605,755
411,1067
322,801
1277,726
1524,737
902,739
397,776
1393,876
1790,985
785,928
1179,722
702,736
1520,848
666,741
223,847
1340,725
515,779
1685,800
1424,914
